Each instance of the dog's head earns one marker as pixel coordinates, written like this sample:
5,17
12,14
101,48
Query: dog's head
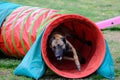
58,45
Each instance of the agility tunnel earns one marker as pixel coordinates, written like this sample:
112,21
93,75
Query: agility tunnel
26,24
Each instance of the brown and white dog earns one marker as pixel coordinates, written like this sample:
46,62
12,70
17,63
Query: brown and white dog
60,45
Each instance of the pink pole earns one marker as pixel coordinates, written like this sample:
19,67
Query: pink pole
108,23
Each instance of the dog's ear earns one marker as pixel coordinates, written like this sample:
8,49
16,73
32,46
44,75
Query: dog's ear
64,40
51,39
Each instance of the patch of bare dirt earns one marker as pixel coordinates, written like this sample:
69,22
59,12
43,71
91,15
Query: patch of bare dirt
4,72
112,35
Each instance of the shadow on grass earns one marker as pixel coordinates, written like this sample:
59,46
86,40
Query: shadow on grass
2,55
112,29
117,72
8,62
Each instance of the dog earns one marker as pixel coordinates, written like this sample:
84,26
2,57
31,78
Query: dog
60,45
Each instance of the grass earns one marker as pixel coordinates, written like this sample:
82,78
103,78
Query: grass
96,10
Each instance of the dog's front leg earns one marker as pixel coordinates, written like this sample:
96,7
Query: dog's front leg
75,56
68,58
76,59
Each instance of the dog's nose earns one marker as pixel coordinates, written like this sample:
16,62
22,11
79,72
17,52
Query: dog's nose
59,57
59,53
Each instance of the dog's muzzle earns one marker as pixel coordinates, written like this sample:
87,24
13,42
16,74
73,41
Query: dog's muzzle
59,53
59,58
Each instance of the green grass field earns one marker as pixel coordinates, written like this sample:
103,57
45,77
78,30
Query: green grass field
96,10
